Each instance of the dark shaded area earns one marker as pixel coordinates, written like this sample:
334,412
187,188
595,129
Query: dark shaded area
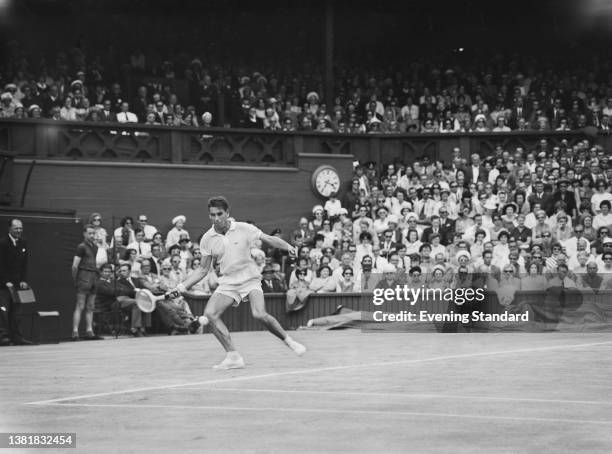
52,240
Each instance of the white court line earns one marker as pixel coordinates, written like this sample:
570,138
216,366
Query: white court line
316,370
399,394
344,412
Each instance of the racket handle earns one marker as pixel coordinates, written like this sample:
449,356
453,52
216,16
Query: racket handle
172,294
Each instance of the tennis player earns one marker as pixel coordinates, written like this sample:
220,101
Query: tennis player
229,243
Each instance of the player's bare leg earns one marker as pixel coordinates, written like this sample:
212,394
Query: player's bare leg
258,308
217,304
76,315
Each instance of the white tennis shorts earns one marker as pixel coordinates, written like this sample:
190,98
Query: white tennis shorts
239,292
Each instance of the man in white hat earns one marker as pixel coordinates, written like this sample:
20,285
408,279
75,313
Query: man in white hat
229,243
174,235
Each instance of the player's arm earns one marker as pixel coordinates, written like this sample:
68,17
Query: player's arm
75,267
277,242
197,275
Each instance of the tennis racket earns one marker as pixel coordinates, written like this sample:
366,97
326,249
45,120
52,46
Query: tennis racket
146,301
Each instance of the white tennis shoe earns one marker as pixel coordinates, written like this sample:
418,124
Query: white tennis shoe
298,348
234,361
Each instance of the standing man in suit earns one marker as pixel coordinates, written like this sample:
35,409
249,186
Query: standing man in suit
13,268
476,172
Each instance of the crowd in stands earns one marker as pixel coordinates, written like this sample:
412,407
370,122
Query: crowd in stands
516,220
499,95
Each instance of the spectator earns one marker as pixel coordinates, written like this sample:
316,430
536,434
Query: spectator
269,282
119,294
174,235
142,248
84,275
125,116
298,292
13,272
347,283
149,230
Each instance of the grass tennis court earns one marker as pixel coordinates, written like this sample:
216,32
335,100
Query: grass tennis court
351,392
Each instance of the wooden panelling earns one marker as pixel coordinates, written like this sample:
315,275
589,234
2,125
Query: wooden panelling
268,197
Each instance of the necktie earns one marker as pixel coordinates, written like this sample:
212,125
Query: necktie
139,249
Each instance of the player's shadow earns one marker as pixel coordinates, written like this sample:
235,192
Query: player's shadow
558,305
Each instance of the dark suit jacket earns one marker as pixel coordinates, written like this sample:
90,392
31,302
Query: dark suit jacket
523,235
483,175
384,252
124,288
544,201
154,268
105,294
275,288
570,201
112,117
13,261
448,230
429,230
514,116
448,224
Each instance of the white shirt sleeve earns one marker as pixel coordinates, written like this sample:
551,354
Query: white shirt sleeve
254,233
205,248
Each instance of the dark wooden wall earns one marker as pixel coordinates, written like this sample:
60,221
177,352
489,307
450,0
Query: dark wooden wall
270,197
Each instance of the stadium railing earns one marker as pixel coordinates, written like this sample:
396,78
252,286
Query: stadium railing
47,139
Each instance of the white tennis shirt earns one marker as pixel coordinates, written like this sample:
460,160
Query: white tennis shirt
233,252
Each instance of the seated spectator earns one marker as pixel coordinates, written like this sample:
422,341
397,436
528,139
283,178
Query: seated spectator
347,283
269,282
142,248
302,235
590,281
123,235
120,294
298,292
148,229
175,313
604,218
324,282
174,235
317,223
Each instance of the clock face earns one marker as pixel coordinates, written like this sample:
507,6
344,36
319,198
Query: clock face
326,180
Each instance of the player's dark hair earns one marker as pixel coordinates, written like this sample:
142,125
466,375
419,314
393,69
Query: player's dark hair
218,202
88,226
